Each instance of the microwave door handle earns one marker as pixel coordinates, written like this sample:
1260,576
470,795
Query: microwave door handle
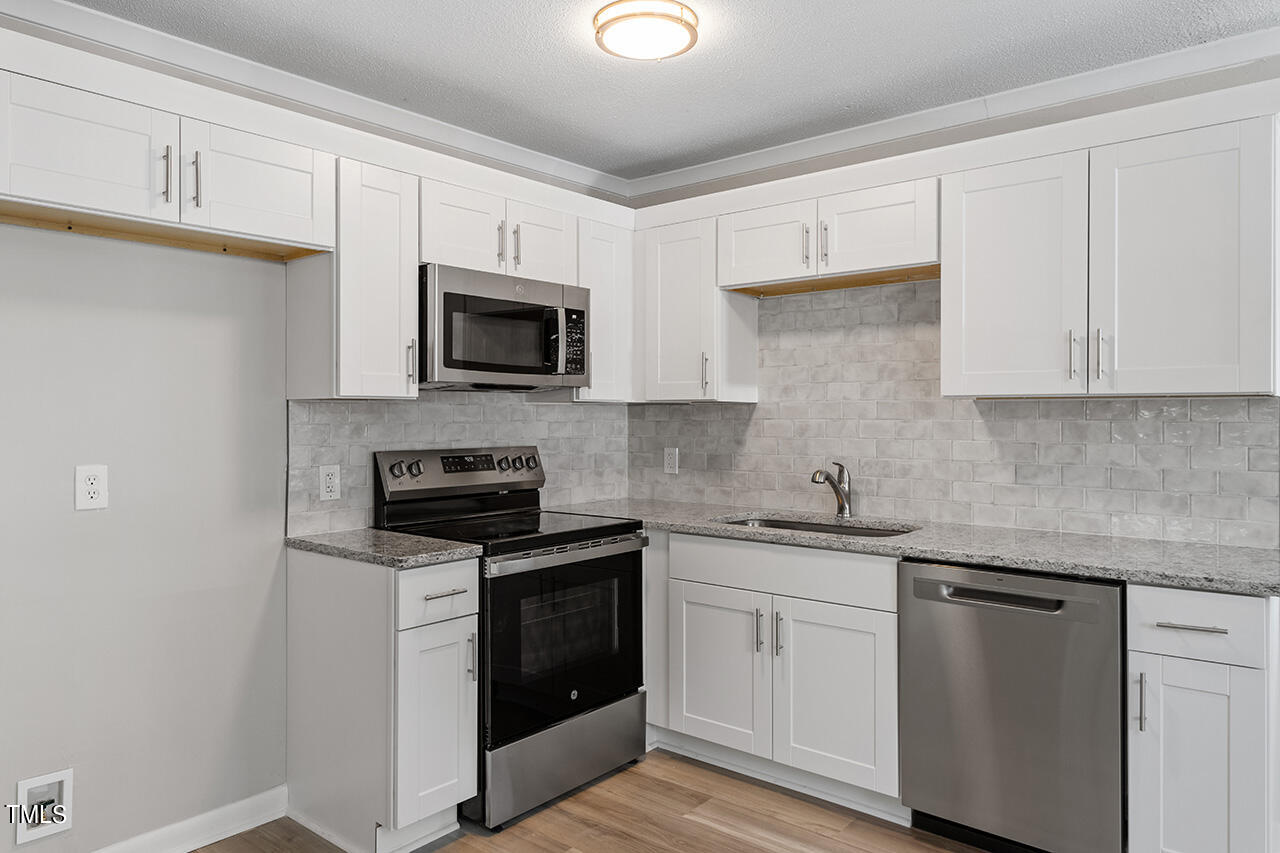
562,324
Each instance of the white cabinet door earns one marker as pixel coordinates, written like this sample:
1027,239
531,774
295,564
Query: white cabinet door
68,147
1197,757
1182,271
1015,287
377,277
835,692
463,227
680,292
719,665
890,226
605,268
237,181
437,728
544,243
767,244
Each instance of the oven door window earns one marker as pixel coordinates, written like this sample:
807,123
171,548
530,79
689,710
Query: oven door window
562,640
499,335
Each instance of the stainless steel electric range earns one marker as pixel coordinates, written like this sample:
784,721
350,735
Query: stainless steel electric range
561,660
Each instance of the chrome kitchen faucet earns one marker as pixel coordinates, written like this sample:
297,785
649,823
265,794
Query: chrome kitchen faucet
841,484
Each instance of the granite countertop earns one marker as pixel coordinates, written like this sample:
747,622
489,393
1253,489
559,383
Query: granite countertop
384,548
1219,568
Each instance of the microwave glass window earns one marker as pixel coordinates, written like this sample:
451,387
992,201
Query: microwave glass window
497,335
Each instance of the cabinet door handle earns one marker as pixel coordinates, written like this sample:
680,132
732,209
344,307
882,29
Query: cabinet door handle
471,667
198,199
777,633
804,244
1199,629
825,237
759,629
705,360
1071,353
1142,701
502,239
168,174
1098,371
412,355
516,257
432,596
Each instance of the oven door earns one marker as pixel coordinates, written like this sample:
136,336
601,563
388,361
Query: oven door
492,329
564,634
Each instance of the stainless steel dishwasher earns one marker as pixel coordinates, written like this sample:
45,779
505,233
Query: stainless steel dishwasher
1010,706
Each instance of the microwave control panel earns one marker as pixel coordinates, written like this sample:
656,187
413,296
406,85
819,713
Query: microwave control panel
575,362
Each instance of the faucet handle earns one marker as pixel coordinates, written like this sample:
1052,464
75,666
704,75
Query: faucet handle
842,474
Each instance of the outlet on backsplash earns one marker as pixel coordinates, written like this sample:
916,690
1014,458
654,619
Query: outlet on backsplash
671,460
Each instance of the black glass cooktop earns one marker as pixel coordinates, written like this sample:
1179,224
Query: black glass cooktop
523,531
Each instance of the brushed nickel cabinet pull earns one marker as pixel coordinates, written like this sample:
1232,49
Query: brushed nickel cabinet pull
759,632
1199,629
516,256
1142,701
447,594
198,200
168,174
777,633
502,239
825,237
412,349
804,245
471,668
1071,353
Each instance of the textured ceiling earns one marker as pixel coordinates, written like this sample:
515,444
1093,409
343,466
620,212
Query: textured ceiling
764,72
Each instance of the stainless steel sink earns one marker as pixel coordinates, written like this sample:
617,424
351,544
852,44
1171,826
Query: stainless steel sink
815,527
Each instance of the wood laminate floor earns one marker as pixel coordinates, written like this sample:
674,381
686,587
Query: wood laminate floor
664,804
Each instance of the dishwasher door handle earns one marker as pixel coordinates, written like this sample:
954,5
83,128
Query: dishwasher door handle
1002,598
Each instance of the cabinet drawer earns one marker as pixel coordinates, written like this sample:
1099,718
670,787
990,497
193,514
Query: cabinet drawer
1208,626
435,593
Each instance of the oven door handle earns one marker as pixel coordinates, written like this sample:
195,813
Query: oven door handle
563,357
511,564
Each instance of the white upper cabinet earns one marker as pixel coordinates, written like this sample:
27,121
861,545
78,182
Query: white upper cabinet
679,290
1182,254
835,692
463,227
768,244
544,243
880,227
478,231
605,268
237,181
720,652
377,281
352,315
65,146
1015,288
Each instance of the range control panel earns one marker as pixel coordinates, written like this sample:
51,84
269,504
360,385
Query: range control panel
420,473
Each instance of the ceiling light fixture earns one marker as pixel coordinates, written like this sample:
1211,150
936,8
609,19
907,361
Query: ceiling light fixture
646,29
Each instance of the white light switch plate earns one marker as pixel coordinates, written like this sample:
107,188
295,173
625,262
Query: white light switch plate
671,460
91,487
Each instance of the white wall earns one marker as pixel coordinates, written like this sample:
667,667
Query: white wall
142,644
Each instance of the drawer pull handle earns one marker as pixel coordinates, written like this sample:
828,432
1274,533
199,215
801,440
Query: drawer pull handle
1142,701
471,666
449,594
1200,629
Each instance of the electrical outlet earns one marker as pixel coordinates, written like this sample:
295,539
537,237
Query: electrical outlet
43,806
91,487
330,482
671,460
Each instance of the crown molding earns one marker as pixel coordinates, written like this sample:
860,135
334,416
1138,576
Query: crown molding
1091,92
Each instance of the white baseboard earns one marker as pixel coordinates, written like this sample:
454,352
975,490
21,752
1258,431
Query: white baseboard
194,832
801,781
404,840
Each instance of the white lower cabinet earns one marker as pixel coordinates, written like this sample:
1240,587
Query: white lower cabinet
437,700
835,692
382,729
1199,731
809,684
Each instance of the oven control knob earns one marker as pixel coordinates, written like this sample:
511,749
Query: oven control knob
531,462
504,464
397,470
415,468
517,462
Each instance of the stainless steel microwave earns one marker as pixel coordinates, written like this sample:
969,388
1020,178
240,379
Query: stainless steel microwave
497,332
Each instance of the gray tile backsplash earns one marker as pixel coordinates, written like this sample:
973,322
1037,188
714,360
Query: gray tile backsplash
583,446
853,376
